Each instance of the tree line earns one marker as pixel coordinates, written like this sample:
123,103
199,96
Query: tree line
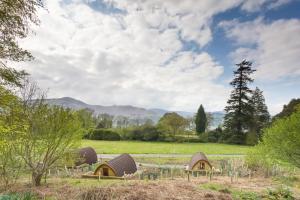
246,115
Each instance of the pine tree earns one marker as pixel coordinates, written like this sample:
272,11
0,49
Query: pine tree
260,116
238,110
201,120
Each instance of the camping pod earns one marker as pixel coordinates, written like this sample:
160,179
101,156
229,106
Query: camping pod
119,166
199,162
87,155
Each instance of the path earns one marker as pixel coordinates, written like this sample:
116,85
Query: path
168,155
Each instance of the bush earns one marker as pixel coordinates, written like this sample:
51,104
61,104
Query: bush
17,196
280,143
280,193
251,138
143,133
104,134
150,133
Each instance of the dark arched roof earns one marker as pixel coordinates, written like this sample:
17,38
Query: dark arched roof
87,155
124,163
198,157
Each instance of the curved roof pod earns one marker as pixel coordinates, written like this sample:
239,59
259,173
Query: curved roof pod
199,156
87,155
124,163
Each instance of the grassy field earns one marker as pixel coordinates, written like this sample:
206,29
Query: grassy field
137,147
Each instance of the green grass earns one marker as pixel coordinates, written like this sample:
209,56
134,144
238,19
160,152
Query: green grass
236,194
137,147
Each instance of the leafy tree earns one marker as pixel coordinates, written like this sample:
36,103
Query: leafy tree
288,109
201,120
15,20
51,132
260,113
238,110
172,123
11,123
105,121
122,121
191,126
209,119
280,142
148,122
87,119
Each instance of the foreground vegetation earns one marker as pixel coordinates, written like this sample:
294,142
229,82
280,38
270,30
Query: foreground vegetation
179,188
138,147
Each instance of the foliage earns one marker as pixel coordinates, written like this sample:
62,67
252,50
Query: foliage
104,121
10,124
87,119
260,114
282,139
143,133
122,121
103,134
18,196
236,194
172,123
251,138
280,193
209,121
238,110
52,131
280,143
15,20
288,109
201,120
212,136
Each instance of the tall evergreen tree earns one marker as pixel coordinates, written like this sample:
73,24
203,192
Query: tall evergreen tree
201,120
238,110
261,115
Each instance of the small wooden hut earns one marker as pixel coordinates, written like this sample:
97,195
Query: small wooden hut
87,155
199,162
118,167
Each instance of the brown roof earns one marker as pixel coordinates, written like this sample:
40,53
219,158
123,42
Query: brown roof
87,155
124,163
198,157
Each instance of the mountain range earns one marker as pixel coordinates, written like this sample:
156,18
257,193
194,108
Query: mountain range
129,111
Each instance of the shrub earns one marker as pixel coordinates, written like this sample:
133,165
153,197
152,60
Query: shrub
104,134
280,143
251,138
143,133
18,196
280,193
150,133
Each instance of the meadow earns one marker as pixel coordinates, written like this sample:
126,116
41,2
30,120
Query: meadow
138,147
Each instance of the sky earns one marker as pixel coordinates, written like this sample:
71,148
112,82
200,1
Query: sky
170,54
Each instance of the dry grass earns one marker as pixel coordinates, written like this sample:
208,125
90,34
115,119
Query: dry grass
86,189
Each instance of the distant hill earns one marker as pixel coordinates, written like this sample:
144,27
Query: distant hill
127,110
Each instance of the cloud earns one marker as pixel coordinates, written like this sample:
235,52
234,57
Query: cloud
273,46
129,53
256,5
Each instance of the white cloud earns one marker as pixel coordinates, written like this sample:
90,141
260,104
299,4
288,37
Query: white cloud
274,47
256,5
133,58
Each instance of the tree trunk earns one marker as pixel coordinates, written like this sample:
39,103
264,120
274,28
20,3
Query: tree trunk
36,178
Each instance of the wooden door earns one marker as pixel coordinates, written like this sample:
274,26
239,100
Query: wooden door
105,171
